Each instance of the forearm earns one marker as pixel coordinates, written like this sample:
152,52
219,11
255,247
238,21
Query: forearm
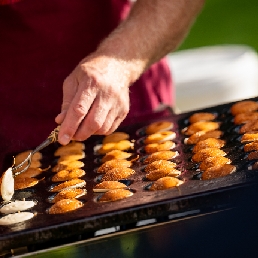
153,29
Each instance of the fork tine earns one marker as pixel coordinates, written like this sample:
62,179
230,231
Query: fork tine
22,163
19,172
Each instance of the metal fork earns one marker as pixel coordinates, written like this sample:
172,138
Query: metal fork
51,138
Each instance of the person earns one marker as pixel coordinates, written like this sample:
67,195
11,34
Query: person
123,73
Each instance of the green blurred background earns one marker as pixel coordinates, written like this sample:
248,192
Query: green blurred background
225,22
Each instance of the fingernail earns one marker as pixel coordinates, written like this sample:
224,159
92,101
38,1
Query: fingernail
65,139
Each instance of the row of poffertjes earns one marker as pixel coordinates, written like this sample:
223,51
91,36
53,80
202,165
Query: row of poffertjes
117,159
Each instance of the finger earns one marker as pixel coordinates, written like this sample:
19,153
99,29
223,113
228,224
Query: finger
93,121
76,112
70,87
116,124
109,123
60,117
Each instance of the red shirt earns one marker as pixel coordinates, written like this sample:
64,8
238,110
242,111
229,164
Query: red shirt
41,43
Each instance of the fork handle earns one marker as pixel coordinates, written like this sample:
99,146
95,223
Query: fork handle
51,138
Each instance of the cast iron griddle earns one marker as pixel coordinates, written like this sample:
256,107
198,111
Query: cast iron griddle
144,204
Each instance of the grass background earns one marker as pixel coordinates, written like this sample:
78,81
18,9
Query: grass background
225,22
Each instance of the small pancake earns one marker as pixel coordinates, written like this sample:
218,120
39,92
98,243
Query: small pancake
116,154
244,106
69,166
68,158
160,164
115,195
73,183
203,154
165,183
251,126
15,218
108,185
16,206
117,173
160,137
67,194
33,164
214,161
201,135
251,146
115,137
23,183
201,116
243,118
204,126
64,206
158,127
218,171
65,175
31,172
208,143
121,145
71,148
249,137
154,147
159,173
160,155
114,163
23,155
252,155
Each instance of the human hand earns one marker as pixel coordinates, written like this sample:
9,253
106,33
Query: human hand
95,99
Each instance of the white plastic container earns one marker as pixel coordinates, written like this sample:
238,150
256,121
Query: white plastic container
209,76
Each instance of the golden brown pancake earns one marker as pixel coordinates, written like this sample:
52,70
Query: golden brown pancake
158,127
249,137
116,154
68,194
68,158
108,185
218,171
252,155
160,137
71,148
115,195
251,146
160,164
244,106
205,126
73,183
65,175
64,206
159,173
249,127
114,163
70,166
118,173
160,155
121,145
31,172
165,183
23,155
243,118
203,154
154,147
201,116
115,137
213,162
201,135
208,143
22,183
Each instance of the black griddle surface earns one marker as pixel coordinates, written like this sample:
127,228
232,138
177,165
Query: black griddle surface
144,204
